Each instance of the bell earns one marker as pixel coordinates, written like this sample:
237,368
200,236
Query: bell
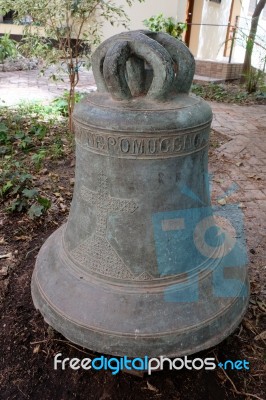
142,266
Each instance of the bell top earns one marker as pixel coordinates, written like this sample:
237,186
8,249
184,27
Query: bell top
119,66
143,81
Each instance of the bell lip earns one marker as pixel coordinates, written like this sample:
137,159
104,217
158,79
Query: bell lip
155,343
109,339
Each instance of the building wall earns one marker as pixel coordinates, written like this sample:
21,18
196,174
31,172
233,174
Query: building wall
16,30
140,11
195,29
137,13
235,13
212,38
11,28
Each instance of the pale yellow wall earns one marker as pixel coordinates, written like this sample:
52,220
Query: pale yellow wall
11,28
140,11
237,9
195,29
212,38
16,29
236,12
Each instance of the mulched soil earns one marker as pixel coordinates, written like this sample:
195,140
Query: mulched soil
230,92
28,344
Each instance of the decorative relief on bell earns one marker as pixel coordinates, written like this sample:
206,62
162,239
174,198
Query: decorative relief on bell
96,253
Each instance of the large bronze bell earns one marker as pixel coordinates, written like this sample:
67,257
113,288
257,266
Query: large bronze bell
135,270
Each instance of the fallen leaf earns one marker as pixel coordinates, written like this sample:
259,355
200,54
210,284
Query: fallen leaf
152,388
23,237
222,202
261,336
8,255
246,324
253,176
261,305
36,349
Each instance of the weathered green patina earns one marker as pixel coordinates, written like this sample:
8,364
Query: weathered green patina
116,277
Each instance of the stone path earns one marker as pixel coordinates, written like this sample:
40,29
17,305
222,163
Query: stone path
30,85
240,163
239,173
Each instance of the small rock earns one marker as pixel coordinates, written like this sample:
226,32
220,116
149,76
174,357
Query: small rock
222,202
3,271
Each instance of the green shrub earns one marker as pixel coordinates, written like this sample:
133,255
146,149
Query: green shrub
8,47
159,23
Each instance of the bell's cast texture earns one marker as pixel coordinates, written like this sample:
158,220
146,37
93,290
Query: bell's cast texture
131,273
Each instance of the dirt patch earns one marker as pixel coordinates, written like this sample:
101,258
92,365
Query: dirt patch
28,344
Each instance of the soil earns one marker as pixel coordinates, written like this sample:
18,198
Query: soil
28,344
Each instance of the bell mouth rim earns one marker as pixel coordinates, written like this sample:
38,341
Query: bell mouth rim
107,340
187,329
62,306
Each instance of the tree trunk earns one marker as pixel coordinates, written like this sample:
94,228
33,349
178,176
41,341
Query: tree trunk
250,42
71,100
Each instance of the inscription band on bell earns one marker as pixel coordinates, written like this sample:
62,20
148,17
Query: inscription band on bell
121,145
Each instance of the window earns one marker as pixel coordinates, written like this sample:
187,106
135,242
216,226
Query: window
8,18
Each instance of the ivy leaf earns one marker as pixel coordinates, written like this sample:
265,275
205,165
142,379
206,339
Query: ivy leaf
25,177
8,185
19,135
3,127
30,193
43,201
35,211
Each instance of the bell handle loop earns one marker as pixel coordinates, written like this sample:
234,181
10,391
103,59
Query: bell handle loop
183,59
118,65
114,67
